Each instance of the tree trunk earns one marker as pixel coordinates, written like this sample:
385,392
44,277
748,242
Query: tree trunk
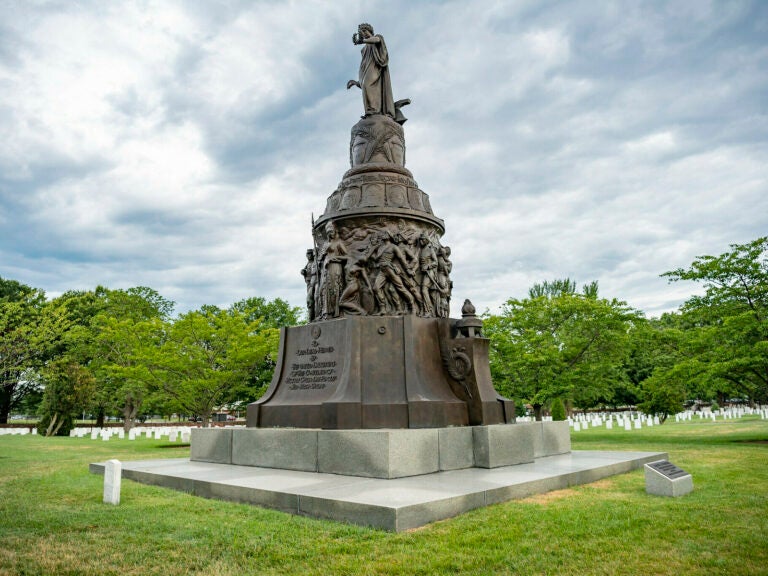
51,425
130,410
58,426
537,411
5,403
100,418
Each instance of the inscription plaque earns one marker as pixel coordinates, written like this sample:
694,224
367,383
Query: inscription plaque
668,469
312,368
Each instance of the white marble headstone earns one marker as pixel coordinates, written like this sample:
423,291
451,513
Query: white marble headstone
112,473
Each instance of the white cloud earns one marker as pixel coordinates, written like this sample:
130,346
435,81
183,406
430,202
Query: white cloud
184,146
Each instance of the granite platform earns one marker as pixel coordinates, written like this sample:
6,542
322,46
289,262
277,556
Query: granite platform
389,504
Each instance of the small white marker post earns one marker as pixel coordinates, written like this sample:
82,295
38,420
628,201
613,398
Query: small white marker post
112,474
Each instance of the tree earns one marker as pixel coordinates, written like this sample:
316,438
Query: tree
22,346
559,343
203,358
74,350
727,346
67,388
271,315
129,322
655,347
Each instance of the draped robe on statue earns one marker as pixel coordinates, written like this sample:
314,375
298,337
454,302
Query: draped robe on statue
374,79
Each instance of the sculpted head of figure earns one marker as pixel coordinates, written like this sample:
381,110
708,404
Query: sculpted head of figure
330,230
380,237
310,254
423,240
365,30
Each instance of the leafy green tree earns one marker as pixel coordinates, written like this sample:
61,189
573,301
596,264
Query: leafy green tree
664,393
68,374
67,388
726,351
23,345
204,357
655,346
128,322
559,343
271,315
75,347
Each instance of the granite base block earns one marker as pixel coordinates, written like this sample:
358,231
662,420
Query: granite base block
211,445
287,449
556,438
504,444
378,453
456,448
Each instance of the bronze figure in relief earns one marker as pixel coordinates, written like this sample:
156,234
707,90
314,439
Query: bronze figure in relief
310,274
333,254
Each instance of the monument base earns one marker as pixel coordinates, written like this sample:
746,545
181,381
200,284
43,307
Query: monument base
395,505
387,454
380,372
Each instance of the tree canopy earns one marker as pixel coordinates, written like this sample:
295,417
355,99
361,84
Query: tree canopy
558,343
726,346
25,341
122,352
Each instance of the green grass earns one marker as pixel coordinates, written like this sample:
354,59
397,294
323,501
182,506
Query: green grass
52,520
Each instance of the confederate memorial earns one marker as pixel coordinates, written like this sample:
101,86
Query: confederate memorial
380,350
381,410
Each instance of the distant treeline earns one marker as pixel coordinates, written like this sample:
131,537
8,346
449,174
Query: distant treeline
123,353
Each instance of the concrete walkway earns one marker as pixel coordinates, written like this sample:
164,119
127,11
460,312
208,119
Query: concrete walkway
395,505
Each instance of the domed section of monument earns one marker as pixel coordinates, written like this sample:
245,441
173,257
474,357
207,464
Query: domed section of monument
378,184
377,139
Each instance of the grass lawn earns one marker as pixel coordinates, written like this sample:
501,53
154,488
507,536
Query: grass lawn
52,520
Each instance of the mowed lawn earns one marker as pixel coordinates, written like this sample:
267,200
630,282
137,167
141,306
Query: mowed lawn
52,519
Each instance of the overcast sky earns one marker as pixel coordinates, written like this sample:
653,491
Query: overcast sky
185,145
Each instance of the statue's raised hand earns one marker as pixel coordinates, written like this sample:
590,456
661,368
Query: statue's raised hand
353,83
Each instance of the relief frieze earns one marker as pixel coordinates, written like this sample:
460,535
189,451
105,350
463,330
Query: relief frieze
385,266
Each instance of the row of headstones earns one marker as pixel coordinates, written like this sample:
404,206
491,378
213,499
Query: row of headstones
734,412
16,431
174,434
625,420
636,420
724,413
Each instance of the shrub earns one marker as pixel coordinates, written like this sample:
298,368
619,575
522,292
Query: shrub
557,409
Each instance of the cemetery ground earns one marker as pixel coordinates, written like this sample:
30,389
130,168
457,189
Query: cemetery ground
54,521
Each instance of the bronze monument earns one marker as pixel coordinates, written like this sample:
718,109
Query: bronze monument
380,350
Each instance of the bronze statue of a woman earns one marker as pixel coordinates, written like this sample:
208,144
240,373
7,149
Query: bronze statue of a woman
374,73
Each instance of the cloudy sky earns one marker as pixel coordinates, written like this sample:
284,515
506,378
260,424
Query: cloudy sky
185,145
